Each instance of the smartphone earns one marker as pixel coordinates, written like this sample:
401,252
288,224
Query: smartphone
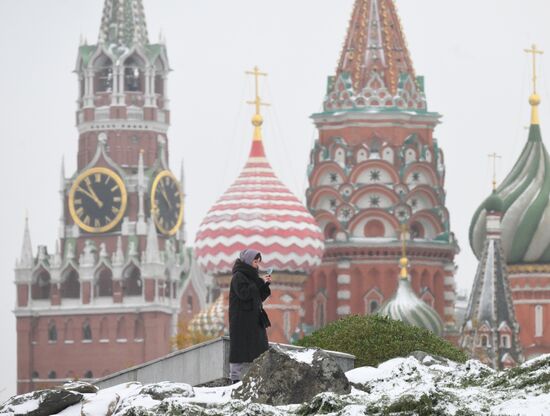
269,271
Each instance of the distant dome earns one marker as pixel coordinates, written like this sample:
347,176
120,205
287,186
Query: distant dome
525,197
258,211
494,203
405,306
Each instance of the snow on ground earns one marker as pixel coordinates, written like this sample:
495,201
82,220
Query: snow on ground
398,386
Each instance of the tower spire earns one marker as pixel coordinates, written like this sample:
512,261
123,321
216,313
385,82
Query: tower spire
123,23
26,260
257,119
375,44
534,99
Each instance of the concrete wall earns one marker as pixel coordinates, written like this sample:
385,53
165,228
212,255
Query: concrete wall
198,364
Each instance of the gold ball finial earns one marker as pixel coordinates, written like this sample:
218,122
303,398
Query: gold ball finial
534,99
404,262
257,120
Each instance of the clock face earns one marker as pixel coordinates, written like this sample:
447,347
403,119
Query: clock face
97,200
167,203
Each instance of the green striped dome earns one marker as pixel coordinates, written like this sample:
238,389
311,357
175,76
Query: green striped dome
525,194
407,307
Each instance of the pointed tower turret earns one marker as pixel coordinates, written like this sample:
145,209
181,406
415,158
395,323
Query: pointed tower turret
490,332
374,166
123,23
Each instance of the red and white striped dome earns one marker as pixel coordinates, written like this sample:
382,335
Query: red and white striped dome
259,212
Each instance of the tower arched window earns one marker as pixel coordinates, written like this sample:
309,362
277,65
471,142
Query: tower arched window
139,330
103,330
70,286
539,321
69,332
103,74
121,329
484,340
86,331
41,286
132,284
505,341
104,283
134,74
52,332
167,284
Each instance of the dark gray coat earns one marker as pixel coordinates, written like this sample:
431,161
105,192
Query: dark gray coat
246,328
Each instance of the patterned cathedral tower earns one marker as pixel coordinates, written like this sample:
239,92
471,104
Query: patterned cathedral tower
107,298
374,166
490,332
258,211
525,194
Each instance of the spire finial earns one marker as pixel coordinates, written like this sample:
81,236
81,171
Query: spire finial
404,262
257,119
534,99
494,156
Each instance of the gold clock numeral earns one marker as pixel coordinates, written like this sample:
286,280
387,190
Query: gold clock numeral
88,181
115,210
114,188
80,211
78,201
116,199
86,220
97,223
98,177
107,179
107,220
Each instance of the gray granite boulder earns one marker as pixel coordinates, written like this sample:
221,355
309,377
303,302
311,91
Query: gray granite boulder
41,402
280,377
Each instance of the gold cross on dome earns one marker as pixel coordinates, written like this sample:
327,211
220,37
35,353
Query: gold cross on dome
534,51
257,101
494,156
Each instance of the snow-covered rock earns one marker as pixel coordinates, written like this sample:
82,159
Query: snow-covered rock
415,385
280,377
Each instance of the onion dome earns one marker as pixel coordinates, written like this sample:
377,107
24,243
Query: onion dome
405,306
259,211
210,322
525,196
494,203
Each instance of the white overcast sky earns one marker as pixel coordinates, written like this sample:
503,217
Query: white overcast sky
470,51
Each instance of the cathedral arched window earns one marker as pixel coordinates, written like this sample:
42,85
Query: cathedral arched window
86,331
41,285
89,374
133,74
52,375
103,74
320,311
70,285
132,284
104,283
374,228
373,306
52,332
35,375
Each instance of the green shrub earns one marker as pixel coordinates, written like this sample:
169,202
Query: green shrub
374,339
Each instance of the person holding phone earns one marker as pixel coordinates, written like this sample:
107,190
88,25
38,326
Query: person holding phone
247,318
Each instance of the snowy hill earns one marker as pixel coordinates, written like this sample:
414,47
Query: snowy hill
415,385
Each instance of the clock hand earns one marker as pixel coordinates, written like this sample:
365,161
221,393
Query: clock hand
163,192
91,196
